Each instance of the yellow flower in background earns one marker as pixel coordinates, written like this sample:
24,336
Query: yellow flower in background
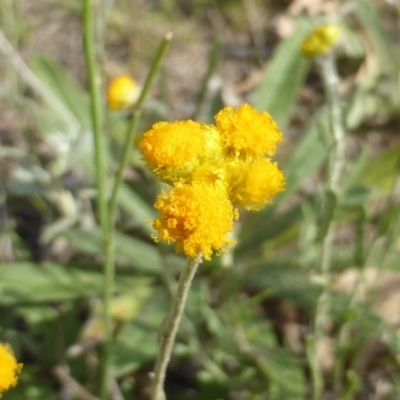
122,92
198,217
247,132
320,41
9,368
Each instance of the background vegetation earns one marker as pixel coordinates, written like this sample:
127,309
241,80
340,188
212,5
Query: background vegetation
249,321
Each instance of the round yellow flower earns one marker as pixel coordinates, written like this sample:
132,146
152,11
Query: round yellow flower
254,184
197,217
247,132
320,40
122,92
9,368
173,150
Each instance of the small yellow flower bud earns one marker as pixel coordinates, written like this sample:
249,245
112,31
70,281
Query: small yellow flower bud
122,92
320,41
9,368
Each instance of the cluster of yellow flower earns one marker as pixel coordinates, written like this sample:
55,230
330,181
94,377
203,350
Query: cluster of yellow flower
9,368
212,169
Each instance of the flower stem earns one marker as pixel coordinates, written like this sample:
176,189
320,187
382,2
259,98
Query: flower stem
96,110
170,328
337,159
134,123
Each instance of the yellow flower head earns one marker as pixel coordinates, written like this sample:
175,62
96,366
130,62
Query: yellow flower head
173,150
320,41
247,132
122,92
254,184
211,168
9,368
198,217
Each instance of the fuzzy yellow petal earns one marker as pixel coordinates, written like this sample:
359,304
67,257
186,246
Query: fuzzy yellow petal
174,150
255,184
197,217
9,368
247,132
211,168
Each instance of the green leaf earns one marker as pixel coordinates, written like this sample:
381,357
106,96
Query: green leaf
136,345
327,212
62,93
267,226
133,252
367,13
381,172
29,283
33,283
284,279
356,195
138,209
308,155
136,253
284,372
285,74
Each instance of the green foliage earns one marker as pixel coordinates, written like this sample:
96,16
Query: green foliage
250,311
284,78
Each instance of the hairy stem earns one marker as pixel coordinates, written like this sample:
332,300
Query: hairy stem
337,160
170,328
